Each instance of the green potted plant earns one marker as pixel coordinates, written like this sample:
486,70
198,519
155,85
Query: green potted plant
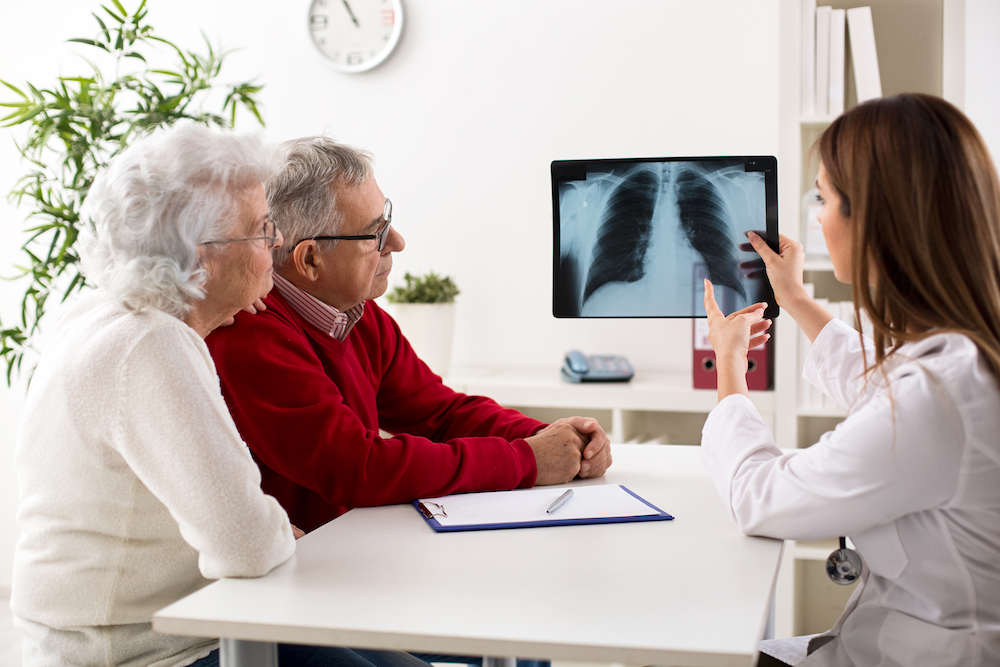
424,308
71,129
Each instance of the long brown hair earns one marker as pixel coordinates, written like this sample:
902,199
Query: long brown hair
923,201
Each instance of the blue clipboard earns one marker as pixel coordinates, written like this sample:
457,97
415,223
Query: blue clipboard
526,508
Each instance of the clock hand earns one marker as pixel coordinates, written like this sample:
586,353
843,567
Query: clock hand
353,17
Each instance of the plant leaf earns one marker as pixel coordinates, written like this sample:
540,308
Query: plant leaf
76,127
113,15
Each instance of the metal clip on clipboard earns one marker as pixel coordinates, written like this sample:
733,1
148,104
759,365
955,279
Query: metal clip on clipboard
430,514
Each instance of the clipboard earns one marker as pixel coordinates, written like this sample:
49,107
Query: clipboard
526,508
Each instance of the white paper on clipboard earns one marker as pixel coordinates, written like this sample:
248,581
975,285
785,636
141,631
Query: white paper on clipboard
602,503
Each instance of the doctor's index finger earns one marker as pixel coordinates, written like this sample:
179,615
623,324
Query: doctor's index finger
711,307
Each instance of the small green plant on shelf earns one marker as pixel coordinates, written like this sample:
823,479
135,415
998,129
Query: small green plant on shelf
430,288
76,126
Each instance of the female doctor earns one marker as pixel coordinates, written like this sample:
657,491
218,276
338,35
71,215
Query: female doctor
911,217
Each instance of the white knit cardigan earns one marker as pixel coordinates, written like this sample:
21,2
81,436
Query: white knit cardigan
135,489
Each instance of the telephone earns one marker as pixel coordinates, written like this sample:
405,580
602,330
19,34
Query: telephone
596,368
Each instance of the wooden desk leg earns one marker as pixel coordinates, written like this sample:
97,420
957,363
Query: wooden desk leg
490,661
238,653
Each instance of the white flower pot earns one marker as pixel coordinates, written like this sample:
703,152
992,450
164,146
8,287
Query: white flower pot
430,328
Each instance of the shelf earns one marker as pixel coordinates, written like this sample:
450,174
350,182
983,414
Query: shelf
816,550
815,121
806,601
651,408
647,391
817,265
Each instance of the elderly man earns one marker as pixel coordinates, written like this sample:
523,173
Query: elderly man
313,379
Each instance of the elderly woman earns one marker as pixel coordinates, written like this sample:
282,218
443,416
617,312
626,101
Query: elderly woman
136,488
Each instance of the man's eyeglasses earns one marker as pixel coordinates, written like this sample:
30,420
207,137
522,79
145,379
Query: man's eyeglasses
382,234
270,232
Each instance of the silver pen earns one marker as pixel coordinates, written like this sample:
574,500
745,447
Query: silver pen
560,501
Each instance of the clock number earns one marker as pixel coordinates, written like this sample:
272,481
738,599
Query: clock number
355,35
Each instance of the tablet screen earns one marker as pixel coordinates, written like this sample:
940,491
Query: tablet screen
636,237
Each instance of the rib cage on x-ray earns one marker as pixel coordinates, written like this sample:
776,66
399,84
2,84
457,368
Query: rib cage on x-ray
704,220
654,228
623,237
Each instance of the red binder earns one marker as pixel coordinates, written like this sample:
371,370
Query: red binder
759,362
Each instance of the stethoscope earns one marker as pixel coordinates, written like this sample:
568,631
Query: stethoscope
844,565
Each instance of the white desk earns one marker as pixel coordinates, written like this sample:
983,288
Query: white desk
693,591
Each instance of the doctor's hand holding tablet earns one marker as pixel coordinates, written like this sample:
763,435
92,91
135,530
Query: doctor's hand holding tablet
911,217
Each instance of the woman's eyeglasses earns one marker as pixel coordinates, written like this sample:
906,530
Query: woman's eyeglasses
270,232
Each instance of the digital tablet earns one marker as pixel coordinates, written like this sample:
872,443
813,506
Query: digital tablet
636,237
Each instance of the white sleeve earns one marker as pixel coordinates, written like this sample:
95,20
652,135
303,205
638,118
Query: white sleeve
887,459
176,435
835,364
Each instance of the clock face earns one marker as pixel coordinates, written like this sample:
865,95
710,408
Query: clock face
355,35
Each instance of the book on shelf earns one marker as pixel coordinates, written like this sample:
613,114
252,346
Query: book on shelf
823,20
867,81
808,58
838,41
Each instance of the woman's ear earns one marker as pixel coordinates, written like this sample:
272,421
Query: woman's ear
206,255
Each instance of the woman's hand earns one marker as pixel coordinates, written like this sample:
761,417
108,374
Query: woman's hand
732,337
784,268
257,306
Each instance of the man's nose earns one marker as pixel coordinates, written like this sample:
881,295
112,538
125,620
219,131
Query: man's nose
394,243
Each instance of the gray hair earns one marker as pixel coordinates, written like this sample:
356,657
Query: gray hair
156,201
302,198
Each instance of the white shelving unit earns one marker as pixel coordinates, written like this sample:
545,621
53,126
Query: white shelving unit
654,407
933,64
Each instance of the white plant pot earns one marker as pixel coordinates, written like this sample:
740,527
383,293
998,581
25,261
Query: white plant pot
430,328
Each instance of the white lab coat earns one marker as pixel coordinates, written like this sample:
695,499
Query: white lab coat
912,476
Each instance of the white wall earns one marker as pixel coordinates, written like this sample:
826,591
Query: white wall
982,62
464,120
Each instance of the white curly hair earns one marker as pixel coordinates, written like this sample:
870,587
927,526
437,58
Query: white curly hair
152,206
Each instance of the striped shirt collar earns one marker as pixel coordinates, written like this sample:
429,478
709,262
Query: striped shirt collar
322,316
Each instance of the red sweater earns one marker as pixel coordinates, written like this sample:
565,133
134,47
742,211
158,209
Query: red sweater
310,408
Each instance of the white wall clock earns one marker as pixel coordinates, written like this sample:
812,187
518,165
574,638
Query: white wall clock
355,35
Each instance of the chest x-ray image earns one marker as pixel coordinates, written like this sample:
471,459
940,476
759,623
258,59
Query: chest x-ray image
636,238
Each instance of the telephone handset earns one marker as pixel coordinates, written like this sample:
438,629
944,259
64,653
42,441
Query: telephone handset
596,368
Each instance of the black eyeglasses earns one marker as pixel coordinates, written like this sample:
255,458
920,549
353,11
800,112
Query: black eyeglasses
270,232
381,235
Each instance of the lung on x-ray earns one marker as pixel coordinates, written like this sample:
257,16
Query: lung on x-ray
637,237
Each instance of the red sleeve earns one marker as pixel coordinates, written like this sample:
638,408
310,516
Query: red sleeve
310,409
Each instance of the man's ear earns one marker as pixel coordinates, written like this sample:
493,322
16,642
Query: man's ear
308,262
